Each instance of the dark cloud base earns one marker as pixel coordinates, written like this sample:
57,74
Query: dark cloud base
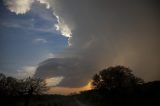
74,72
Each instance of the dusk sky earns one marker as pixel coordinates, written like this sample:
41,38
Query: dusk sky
67,41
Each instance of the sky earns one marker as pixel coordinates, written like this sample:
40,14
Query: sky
28,39
67,41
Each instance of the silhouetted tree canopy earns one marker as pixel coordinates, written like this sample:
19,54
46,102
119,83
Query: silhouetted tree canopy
10,86
34,86
115,77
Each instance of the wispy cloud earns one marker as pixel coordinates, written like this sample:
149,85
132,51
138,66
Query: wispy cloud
29,26
40,40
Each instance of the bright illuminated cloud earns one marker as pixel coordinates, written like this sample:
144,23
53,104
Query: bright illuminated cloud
19,6
53,81
45,2
63,28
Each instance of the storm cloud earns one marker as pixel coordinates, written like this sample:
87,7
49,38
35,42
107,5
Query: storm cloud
103,33
74,73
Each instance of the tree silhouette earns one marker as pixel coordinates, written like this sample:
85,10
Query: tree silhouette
10,86
33,86
115,77
2,84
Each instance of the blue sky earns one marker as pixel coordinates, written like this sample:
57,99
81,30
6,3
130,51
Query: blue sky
28,39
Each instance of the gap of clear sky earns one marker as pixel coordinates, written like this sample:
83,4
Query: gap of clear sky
28,39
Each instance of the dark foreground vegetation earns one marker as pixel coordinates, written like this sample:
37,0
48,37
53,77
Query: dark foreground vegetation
114,86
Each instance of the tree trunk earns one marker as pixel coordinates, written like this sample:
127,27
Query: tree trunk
30,92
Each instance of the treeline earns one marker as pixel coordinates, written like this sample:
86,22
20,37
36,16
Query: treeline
10,86
114,86
117,86
147,94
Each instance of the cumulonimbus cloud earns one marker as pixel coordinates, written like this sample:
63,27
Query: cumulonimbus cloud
109,33
104,33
